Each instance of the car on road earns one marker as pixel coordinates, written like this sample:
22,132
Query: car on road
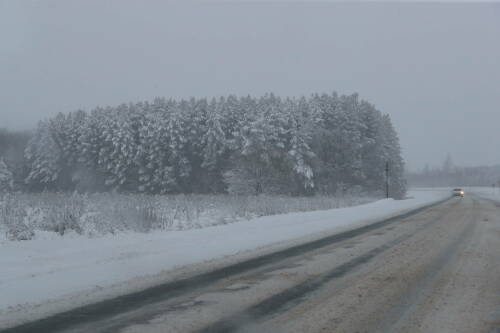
458,192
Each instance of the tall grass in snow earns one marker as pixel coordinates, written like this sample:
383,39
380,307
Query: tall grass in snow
22,215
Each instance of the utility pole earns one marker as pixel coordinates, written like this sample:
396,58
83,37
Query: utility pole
387,179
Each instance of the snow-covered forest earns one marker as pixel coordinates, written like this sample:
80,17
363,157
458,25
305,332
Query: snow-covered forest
324,144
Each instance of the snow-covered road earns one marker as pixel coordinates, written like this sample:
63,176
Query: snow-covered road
42,277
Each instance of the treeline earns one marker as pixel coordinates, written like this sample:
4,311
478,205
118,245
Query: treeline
13,166
456,176
321,144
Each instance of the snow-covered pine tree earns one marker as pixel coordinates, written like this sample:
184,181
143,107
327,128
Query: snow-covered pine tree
156,173
89,174
373,162
195,114
215,149
176,138
66,132
261,155
392,153
350,137
124,147
300,155
44,159
324,141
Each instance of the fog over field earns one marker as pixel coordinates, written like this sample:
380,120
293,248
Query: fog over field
431,67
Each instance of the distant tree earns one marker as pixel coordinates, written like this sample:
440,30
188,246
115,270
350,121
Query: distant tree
12,146
447,164
45,158
6,178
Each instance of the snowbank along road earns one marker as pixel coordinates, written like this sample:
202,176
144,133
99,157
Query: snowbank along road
433,271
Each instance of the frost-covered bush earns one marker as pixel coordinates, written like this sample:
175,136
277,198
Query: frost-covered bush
18,232
12,219
22,215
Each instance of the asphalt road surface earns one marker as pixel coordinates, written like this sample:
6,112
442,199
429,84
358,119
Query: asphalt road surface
434,271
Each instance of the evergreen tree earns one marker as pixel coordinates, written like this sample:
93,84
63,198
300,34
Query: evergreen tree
300,155
392,153
215,149
44,157
321,144
373,162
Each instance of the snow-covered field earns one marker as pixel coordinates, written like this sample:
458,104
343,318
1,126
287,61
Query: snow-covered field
27,216
53,273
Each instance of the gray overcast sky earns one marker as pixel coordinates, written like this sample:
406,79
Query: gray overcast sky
435,68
